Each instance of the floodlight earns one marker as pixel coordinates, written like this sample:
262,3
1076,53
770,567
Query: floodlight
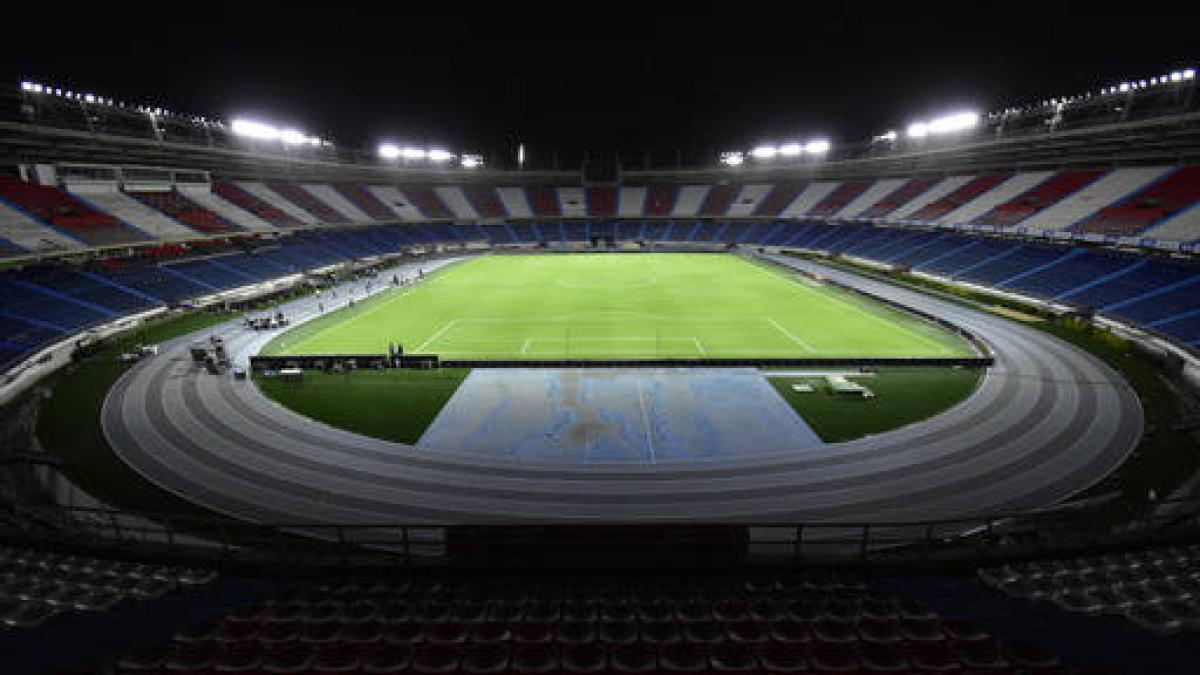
764,152
292,137
918,130
438,155
37,88
90,98
389,151
471,161
951,123
791,149
412,153
1189,74
256,130
732,158
26,86
1176,76
818,147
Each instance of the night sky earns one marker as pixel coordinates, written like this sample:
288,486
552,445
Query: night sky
589,75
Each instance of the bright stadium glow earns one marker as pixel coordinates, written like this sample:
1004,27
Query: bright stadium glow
261,131
790,150
255,130
764,152
439,156
412,153
1189,74
819,147
946,124
292,137
887,136
388,151
732,158
471,161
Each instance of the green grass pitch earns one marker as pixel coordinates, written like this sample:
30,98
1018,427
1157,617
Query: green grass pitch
633,306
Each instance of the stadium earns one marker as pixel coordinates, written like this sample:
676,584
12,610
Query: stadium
925,402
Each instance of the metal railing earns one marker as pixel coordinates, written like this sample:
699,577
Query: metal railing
1067,529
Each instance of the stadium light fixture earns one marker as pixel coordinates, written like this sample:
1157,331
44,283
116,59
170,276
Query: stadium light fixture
439,156
1189,74
292,137
946,124
471,161
412,153
732,158
259,131
389,151
791,149
255,130
764,152
817,147
889,136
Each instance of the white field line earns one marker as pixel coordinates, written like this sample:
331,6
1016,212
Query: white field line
699,347
830,297
447,326
808,348
525,346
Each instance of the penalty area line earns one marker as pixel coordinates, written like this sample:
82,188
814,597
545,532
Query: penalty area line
807,347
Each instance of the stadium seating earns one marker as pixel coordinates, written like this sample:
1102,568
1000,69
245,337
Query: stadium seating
898,198
543,200
875,192
689,200
688,623
425,200
1178,190
601,202
109,198
20,233
305,200
1109,188
1156,589
778,199
1045,194
484,200
67,213
838,199
718,200
456,202
36,586
660,200
239,196
203,195
945,197
179,207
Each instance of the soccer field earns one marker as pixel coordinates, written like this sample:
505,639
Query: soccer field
633,306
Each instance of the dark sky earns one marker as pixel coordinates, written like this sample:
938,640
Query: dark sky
590,75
